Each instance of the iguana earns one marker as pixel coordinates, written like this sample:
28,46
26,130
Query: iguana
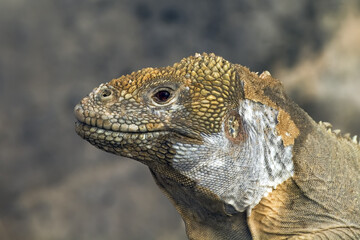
236,156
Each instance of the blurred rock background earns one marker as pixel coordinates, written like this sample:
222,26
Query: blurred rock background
54,185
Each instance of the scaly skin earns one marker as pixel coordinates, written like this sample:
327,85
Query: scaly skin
237,158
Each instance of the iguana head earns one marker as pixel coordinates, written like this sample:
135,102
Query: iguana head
193,116
140,115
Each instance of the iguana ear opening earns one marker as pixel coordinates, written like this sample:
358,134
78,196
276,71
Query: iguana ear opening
233,126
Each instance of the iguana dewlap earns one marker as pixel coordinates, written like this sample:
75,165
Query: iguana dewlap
237,157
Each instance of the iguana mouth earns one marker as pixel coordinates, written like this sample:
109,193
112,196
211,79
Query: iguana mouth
127,144
89,132
111,123
94,128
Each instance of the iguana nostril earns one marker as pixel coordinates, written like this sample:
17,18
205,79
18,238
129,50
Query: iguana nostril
105,94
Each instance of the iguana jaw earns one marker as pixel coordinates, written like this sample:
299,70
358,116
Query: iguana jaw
89,121
110,138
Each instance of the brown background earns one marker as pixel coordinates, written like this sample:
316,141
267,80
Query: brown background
54,185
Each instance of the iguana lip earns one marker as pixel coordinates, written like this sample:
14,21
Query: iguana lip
95,133
107,123
91,127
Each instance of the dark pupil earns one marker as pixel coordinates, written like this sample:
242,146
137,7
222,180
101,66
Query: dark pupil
162,95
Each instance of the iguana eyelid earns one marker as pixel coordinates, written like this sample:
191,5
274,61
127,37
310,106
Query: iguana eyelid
171,99
157,91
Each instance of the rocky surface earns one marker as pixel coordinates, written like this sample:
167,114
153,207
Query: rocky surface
54,185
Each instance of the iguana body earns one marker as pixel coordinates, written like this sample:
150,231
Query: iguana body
238,159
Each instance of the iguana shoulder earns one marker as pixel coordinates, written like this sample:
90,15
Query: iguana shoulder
321,200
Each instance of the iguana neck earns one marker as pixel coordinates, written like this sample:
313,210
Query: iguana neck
204,214
235,179
240,170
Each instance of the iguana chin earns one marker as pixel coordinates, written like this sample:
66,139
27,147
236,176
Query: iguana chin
237,157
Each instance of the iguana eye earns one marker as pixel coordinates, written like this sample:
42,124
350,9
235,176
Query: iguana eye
162,96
